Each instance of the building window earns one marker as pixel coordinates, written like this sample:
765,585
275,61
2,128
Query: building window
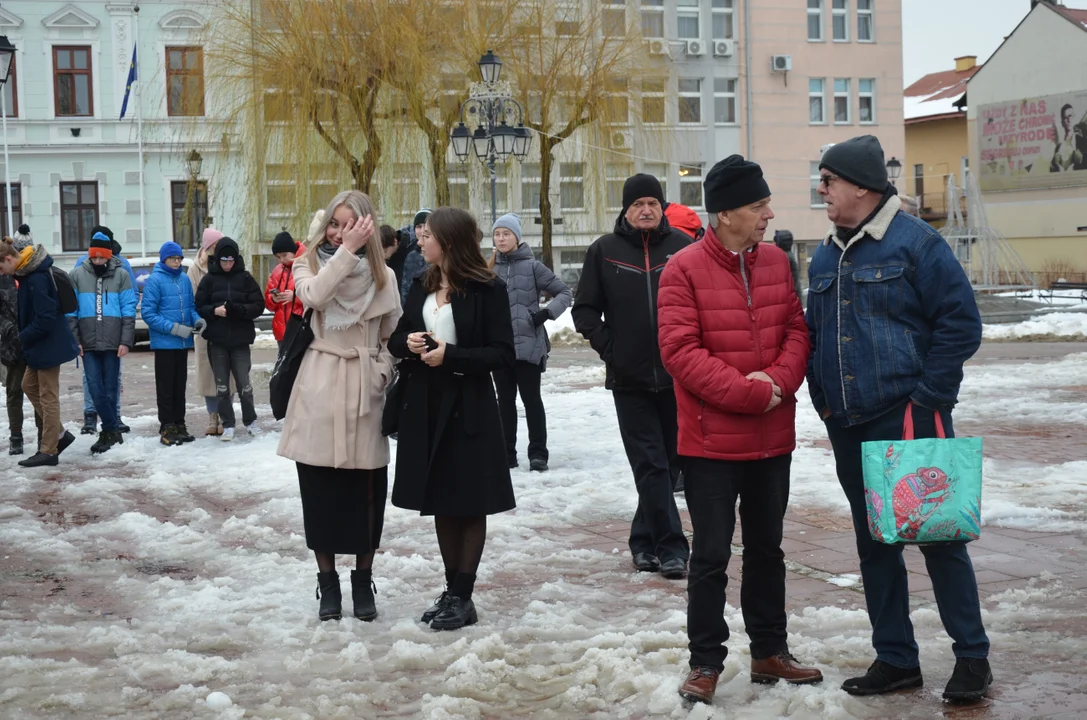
405,198
690,100
690,185
815,20
659,171
687,19
11,97
865,23
653,18
279,191
653,101
866,100
817,101
72,94
840,20
190,211
184,81
722,20
919,183
16,204
841,101
568,20
724,101
615,176
816,198
78,214
530,187
458,185
614,19
617,101
572,186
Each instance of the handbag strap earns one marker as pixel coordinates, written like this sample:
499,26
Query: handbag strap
907,424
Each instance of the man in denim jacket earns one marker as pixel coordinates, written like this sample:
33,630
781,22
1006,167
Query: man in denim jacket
892,320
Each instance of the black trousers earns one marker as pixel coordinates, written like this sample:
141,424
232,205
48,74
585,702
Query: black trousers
712,488
524,377
171,373
648,426
237,361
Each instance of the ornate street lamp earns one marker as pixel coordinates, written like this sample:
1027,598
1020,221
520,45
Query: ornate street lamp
7,57
492,110
194,163
894,169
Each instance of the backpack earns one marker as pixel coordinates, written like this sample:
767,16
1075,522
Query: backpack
69,303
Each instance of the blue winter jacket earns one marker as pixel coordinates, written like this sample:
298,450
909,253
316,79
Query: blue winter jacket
43,330
168,299
891,316
106,316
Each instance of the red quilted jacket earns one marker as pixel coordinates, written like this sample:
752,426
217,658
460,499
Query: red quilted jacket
282,278
715,329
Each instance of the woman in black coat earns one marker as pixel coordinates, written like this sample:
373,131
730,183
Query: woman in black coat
230,300
450,454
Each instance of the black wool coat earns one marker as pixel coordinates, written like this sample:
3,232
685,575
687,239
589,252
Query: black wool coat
462,469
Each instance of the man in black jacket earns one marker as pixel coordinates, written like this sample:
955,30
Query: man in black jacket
619,282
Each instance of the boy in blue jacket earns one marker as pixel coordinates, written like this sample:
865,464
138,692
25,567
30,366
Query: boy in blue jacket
169,310
104,325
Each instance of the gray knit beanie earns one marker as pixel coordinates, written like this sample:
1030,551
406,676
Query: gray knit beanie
511,222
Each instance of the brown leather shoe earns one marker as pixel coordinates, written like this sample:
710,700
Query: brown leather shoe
783,666
700,685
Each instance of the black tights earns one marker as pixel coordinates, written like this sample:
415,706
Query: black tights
326,562
461,541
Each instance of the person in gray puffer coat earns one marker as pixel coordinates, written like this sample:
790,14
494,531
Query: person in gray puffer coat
525,278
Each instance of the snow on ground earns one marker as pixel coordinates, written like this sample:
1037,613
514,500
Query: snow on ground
197,581
1055,325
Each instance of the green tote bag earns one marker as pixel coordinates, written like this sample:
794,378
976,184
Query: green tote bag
923,491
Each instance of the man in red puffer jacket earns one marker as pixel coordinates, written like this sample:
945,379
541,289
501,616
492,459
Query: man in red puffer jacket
279,293
733,338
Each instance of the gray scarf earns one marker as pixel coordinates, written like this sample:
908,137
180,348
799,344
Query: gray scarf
352,296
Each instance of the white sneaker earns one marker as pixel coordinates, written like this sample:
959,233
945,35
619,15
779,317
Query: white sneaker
253,428
228,435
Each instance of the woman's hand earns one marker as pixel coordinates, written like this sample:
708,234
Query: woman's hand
357,232
435,357
416,344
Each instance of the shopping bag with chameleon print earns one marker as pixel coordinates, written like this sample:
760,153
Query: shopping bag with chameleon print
923,491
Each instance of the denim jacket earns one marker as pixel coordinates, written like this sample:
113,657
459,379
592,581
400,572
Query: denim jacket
891,316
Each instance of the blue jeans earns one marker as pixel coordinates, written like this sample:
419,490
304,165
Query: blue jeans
101,370
882,567
88,399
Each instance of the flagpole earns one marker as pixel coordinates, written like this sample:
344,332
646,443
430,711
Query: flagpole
139,136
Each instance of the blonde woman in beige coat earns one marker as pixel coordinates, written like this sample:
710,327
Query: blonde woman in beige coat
205,378
333,426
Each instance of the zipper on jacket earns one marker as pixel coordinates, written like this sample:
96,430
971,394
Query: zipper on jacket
754,331
652,305
838,310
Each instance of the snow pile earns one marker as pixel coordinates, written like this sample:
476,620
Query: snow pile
1061,325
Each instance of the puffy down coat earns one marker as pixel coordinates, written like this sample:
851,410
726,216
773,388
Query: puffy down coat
168,299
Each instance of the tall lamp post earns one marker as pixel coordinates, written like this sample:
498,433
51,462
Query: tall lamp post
193,163
7,56
894,169
492,109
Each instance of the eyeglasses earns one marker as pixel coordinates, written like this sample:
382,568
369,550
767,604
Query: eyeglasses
826,180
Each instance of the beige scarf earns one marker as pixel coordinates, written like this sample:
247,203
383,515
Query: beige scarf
353,295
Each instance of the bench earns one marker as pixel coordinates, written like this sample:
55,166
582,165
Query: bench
1060,285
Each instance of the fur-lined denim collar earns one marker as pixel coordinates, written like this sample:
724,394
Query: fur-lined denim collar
876,227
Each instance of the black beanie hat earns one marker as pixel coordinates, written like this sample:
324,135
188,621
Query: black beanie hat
420,218
102,229
860,161
733,183
283,242
24,229
641,186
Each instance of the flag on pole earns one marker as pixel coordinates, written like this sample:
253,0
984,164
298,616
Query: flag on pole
131,79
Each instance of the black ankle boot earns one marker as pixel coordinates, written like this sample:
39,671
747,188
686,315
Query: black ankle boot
90,424
15,445
328,592
362,594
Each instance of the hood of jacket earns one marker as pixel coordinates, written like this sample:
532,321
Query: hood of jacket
625,230
239,263
521,252
40,260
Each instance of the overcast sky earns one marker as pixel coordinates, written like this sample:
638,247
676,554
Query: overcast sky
935,32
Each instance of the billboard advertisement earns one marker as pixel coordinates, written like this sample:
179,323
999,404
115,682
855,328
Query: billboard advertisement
1034,143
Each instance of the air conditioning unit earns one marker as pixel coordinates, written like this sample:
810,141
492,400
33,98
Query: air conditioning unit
722,48
781,63
622,140
695,48
657,46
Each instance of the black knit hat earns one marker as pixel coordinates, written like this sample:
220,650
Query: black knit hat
420,218
283,242
859,160
102,229
733,183
641,186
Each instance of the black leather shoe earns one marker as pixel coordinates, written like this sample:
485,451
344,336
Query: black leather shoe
674,569
362,595
537,465
65,440
970,680
121,427
39,460
883,678
328,592
434,610
456,614
644,562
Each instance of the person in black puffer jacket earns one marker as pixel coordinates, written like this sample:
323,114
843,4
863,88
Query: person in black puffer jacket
230,299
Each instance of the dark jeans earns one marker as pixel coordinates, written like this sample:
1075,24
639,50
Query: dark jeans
224,362
102,369
523,377
13,386
88,398
712,488
648,426
171,372
882,567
